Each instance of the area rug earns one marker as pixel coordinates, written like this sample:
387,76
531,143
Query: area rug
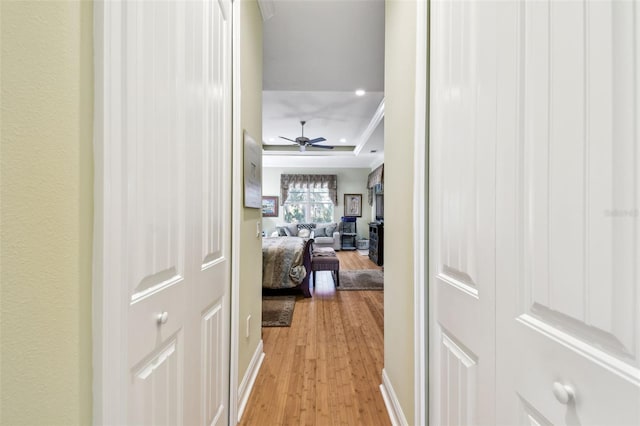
277,311
365,279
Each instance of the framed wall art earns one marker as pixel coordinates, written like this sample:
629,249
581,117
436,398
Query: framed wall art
269,206
353,205
252,172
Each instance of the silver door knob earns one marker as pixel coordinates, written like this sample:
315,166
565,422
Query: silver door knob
163,318
563,393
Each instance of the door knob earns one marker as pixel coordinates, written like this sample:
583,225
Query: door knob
163,318
563,393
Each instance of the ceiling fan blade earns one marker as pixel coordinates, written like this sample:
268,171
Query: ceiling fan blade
321,146
316,140
288,139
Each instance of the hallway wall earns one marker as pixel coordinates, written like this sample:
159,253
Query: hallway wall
250,302
46,219
400,65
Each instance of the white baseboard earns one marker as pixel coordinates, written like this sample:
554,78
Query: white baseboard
244,390
391,402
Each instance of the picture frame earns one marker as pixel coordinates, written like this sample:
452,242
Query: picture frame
252,172
353,205
269,206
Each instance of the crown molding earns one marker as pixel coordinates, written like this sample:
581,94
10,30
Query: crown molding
371,127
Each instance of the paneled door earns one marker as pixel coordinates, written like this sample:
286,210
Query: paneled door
535,227
568,287
463,223
164,150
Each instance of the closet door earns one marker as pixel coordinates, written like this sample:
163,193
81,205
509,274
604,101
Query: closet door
568,283
463,191
535,174
163,257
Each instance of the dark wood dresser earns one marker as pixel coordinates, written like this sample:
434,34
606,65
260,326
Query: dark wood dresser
376,242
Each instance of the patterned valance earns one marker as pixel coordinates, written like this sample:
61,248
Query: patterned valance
309,181
376,177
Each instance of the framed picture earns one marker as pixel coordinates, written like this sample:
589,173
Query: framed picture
252,172
353,205
269,206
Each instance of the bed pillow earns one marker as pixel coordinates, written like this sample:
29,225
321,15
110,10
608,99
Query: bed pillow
319,232
291,230
304,233
325,230
282,231
309,226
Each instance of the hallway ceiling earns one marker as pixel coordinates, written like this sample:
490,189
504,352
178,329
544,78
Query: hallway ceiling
316,54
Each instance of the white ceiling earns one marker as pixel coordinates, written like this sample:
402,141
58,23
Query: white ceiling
316,54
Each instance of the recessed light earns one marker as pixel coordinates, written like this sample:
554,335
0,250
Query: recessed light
271,139
343,140
360,92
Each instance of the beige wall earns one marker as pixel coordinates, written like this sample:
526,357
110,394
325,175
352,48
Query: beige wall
350,181
250,302
46,219
400,48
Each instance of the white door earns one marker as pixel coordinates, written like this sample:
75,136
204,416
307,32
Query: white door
535,292
462,179
166,149
568,287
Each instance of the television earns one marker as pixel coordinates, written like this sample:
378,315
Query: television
380,207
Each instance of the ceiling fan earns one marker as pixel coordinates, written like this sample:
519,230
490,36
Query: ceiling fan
303,142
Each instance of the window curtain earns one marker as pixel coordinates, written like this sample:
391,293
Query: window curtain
376,177
309,181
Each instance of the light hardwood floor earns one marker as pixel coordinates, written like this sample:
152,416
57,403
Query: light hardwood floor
325,369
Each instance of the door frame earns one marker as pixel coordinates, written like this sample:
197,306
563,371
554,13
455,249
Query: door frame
108,316
236,205
421,194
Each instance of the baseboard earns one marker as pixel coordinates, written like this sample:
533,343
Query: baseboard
244,390
391,402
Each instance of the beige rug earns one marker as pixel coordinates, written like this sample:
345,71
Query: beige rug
277,311
366,279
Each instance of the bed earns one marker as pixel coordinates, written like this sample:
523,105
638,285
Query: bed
286,263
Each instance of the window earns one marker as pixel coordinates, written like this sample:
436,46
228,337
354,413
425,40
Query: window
306,205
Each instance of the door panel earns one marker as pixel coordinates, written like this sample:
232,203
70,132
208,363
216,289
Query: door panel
530,416
155,252
569,296
211,211
534,149
458,385
168,127
213,358
157,386
463,175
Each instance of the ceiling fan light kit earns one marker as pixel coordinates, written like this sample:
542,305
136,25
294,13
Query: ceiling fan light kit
303,142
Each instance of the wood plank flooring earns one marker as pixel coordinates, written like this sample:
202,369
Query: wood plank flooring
325,369
350,260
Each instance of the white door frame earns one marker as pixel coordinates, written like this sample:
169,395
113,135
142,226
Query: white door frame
420,216
236,188
109,341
